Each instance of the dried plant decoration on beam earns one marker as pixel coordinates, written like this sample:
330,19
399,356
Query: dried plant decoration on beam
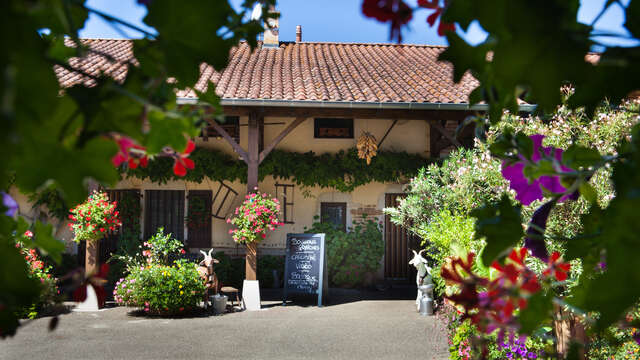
367,146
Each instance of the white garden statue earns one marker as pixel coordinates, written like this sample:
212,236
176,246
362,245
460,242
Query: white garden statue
424,271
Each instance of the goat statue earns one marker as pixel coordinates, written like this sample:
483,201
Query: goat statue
208,275
423,277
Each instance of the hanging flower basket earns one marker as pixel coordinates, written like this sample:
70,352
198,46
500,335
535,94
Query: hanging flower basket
257,215
94,218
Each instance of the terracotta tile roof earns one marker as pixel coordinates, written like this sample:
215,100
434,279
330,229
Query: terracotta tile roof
305,71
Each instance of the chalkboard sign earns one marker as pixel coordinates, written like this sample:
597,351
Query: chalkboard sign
305,270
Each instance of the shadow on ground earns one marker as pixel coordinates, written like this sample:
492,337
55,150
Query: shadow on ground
339,296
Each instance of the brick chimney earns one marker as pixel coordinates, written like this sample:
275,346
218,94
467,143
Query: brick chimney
299,33
272,29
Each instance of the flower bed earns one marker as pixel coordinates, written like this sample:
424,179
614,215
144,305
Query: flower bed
161,289
40,272
157,284
465,342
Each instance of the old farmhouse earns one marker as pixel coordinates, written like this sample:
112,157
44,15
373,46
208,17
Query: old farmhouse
284,100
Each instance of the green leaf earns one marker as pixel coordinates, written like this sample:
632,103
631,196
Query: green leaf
575,350
541,168
464,56
615,231
18,289
500,224
524,145
589,192
44,240
168,131
182,49
577,157
632,16
41,161
536,313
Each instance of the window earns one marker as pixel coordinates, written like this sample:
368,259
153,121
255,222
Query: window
334,213
231,125
284,194
333,128
164,208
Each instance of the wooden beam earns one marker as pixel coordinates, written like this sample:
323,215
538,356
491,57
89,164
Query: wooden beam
388,131
279,138
436,125
230,140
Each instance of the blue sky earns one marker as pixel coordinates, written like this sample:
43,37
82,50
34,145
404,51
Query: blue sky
341,21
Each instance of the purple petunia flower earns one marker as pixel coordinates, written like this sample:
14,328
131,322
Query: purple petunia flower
10,204
528,192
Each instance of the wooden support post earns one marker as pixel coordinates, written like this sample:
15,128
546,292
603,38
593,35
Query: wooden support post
92,257
252,184
92,248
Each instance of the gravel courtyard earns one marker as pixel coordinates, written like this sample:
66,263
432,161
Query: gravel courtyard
355,327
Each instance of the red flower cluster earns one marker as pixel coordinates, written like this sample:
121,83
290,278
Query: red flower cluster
254,217
182,161
36,265
395,11
129,152
135,155
94,217
491,304
431,20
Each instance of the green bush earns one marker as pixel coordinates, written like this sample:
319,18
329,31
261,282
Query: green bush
445,235
351,254
230,271
266,265
162,289
157,284
617,343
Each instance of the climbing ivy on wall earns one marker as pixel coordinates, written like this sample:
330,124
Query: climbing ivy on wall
343,171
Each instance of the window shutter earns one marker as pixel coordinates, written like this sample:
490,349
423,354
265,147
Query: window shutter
164,208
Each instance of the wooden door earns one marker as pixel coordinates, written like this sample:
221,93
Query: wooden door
199,232
398,245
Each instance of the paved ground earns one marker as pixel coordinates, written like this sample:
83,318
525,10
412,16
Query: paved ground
355,326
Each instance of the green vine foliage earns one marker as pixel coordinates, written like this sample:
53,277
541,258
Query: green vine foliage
343,170
53,199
